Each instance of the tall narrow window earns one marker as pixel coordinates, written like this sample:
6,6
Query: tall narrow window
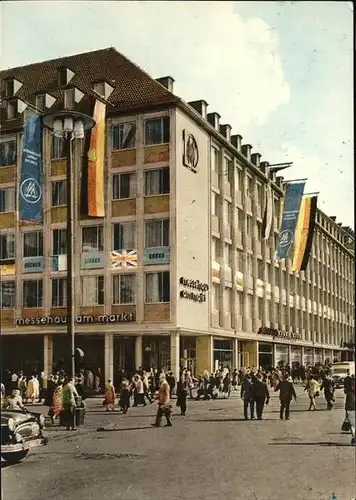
33,244
7,200
124,135
158,287
92,290
124,186
157,233
157,130
157,181
32,293
124,289
8,153
124,236
59,193
92,239
7,294
57,148
7,246
59,292
59,242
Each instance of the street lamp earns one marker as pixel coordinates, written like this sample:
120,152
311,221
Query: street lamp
69,125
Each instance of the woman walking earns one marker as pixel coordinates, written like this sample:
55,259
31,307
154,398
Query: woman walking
109,400
182,394
312,388
57,402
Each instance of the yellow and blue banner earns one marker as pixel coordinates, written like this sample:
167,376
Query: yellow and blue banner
30,189
304,233
292,200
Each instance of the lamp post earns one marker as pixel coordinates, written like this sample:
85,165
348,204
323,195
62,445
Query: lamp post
69,125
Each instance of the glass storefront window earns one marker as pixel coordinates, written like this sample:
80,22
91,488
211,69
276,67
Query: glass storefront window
296,355
308,356
281,355
265,355
223,353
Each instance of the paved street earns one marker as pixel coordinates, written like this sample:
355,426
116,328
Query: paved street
209,453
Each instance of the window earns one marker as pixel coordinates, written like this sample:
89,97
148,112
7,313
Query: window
215,160
59,242
8,153
157,233
215,204
124,289
158,287
11,109
7,294
124,186
41,101
228,300
7,246
259,231
227,212
100,88
227,255
33,293
248,186
57,149
215,250
240,219
59,292
92,239
124,236
92,290
248,264
238,179
157,181
157,130
69,98
249,226
124,135
10,88
260,269
228,169
7,200
62,76
33,244
216,297
59,193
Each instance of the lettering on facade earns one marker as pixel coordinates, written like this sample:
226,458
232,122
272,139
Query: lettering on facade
32,264
92,260
156,256
82,319
272,332
202,288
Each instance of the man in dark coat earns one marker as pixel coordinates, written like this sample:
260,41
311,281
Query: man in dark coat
260,395
328,386
286,393
246,395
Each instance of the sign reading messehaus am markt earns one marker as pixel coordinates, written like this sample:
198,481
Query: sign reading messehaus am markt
83,319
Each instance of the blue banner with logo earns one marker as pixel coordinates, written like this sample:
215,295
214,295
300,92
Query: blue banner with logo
30,189
292,200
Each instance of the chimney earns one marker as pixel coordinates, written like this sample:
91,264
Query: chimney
200,106
246,151
333,218
256,159
279,181
166,81
272,175
213,119
236,141
264,167
225,130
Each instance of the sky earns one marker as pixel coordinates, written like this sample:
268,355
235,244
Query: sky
280,73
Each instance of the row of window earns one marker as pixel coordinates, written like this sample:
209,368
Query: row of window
124,237
124,186
157,289
123,135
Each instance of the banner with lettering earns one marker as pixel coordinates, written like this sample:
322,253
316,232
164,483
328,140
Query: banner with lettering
268,213
292,200
30,188
304,233
96,159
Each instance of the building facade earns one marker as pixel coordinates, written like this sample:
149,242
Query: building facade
176,273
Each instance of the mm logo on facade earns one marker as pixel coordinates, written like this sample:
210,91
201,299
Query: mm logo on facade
84,319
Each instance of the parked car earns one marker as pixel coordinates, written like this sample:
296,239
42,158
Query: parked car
20,431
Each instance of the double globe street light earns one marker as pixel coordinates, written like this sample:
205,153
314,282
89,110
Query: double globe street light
70,126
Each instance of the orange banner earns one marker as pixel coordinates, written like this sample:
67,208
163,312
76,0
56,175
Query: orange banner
96,157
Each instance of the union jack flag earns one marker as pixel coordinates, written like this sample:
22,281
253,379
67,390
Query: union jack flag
123,258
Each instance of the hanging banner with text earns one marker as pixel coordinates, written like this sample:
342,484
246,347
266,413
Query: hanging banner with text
30,189
304,233
96,158
292,199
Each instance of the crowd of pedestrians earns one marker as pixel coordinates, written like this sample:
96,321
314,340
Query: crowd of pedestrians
63,395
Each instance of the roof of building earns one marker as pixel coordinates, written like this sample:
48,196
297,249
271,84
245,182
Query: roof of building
133,87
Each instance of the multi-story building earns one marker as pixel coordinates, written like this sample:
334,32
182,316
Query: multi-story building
176,273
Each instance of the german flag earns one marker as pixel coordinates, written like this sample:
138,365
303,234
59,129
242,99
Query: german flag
304,233
93,167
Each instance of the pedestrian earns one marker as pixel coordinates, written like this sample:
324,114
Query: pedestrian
226,385
139,392
312,388
13,381
260,395
182,394
22,385
164,406
124,401
51,387
234,381
69,396
33,389
350,404
15,402
109,400
146,386
328,386
286,393
246,395
57,402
